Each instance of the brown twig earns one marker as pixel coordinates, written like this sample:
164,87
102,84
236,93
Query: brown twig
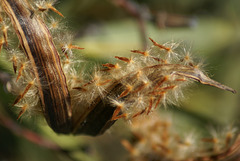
135,11
31,136
27,134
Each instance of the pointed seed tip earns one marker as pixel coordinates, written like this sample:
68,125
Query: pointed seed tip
233,91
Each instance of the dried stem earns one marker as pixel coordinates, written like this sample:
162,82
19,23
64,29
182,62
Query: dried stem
32,137
134,10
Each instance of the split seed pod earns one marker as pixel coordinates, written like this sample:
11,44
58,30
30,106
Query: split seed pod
127,89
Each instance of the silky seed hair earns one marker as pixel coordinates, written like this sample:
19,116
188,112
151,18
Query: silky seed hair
132,86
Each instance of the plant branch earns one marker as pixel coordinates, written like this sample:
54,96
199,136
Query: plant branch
135,11
31,136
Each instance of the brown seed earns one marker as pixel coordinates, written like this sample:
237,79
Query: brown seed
123,59
80,89
126,91
104,82
14,60
22,94
160,46
20,71
144,53
139,113
23,110
54,10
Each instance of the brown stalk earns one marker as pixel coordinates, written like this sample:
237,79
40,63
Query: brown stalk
135,11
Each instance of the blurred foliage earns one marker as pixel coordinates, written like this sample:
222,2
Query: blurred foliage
105,30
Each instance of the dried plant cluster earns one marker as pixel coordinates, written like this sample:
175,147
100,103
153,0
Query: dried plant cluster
156,139
146,80
51,81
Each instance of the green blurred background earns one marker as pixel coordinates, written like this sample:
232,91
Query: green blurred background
211,28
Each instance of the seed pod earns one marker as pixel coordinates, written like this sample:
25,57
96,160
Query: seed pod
37,43
38,46
141,83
